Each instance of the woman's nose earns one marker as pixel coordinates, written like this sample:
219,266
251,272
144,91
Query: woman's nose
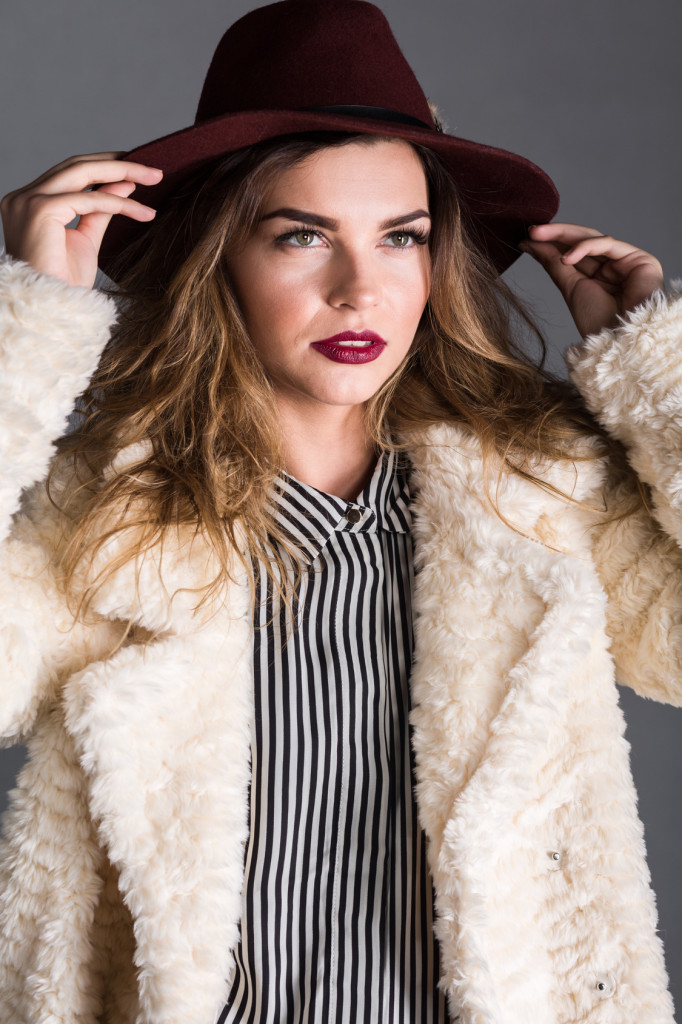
353,281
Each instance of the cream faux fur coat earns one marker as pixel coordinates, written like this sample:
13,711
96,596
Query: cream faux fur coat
122,860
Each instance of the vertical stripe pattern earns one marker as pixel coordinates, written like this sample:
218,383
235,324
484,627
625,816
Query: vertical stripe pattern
337,903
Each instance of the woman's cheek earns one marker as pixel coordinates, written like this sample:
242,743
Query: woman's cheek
413,274
274,299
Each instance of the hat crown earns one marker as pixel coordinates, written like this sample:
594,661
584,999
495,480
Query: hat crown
303,54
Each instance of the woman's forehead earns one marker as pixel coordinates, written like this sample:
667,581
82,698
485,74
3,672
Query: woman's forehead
378,174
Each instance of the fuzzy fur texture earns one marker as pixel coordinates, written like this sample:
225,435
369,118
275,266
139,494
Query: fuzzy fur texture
120,884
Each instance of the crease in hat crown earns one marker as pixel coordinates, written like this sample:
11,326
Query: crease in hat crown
290,56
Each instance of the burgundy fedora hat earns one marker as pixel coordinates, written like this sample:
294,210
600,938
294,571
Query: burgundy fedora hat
310,65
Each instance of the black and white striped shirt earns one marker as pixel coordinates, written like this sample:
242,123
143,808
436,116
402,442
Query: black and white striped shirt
337,904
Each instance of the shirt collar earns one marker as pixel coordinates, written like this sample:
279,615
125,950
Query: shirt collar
309,517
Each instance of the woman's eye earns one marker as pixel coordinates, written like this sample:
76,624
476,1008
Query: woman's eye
303,238
408,239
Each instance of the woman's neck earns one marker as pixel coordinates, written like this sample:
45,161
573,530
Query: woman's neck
327,447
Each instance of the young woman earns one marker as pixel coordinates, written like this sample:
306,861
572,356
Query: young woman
313,491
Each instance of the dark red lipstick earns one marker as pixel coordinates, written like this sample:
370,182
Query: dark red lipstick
360,353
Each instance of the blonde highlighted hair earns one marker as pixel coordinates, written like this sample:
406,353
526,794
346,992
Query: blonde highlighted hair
181,378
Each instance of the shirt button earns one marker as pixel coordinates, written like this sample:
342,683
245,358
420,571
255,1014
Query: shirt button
353,515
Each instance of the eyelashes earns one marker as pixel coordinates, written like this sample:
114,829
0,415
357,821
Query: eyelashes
420,236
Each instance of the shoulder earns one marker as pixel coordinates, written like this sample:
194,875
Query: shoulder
555,501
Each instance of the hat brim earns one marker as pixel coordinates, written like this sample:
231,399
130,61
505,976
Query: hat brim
504,192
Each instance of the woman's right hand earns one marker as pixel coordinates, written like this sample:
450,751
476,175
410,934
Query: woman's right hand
34,218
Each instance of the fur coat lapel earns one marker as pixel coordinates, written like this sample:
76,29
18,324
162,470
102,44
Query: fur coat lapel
163,731
509,638
519,746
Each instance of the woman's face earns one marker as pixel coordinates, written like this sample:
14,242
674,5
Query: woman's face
340,247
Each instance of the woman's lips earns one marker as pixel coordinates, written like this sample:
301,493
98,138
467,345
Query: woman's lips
369,346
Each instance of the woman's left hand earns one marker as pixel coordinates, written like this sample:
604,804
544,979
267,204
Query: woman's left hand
599,277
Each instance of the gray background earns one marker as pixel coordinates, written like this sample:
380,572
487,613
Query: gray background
587,89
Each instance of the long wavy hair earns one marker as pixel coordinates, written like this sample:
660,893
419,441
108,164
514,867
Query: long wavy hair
181,381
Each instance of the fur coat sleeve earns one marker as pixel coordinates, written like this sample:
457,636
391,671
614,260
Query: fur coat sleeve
48,352
631,379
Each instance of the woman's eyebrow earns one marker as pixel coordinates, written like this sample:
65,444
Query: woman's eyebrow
333,225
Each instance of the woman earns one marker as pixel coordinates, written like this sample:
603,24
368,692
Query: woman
310,431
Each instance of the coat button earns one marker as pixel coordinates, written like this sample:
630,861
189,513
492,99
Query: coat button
353,515
605,985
